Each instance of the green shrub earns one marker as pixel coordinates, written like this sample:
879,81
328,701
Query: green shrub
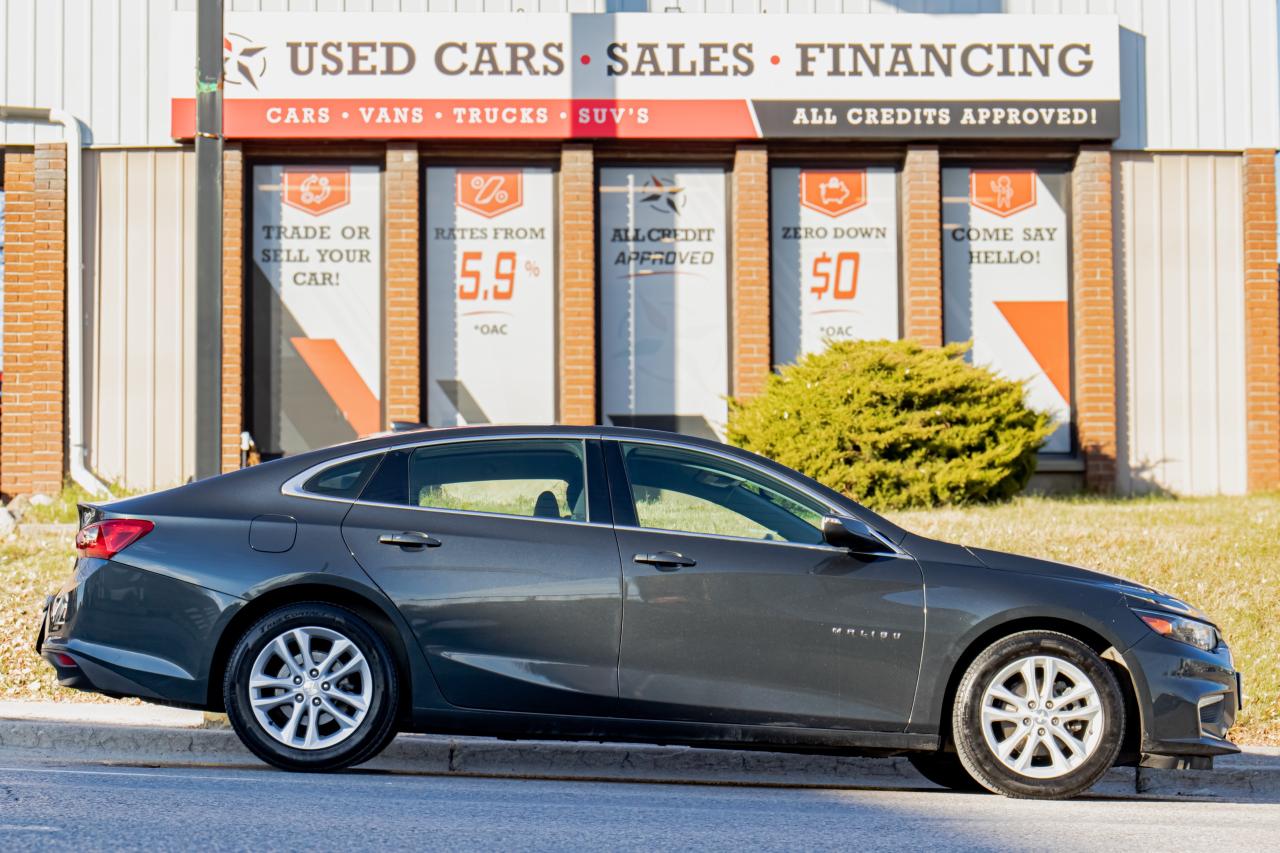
894,425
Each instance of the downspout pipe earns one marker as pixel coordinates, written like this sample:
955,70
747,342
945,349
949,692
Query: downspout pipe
79,469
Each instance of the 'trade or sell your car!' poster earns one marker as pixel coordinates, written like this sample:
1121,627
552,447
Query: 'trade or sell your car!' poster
664,335
1005,282
316,305
491,352
835,257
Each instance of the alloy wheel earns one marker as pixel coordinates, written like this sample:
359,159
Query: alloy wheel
310,688
1042,717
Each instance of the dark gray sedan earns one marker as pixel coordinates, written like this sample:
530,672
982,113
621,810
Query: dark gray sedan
617,584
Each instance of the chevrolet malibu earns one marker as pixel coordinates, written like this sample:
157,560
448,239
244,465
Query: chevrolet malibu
628,585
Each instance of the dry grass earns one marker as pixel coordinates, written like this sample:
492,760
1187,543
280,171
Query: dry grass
30,569
1221,554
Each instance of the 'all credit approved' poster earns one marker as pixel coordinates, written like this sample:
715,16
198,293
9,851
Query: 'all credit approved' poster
664,328
1005,275
490,296
835,258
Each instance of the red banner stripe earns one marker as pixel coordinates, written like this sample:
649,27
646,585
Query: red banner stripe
358,118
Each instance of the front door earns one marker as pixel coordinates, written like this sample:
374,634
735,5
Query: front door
736,611
501,556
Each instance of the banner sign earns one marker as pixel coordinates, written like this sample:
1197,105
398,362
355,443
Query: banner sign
556,76
491,349
835,257
664,314
316,305
1006,277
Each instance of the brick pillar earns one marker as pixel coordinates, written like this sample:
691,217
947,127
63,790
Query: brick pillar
34,419
577,285
922,246
20,206
1262,320
403,349
751,332
1093,304
233,305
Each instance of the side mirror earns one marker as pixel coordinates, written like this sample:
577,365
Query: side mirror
857,536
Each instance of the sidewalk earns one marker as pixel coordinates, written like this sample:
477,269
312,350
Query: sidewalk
149,734
116,713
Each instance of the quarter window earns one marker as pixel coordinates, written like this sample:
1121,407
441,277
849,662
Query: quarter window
343,480
539,478
695,493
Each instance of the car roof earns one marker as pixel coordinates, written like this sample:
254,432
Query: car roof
542,429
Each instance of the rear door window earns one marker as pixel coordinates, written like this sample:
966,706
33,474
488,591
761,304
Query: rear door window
533,478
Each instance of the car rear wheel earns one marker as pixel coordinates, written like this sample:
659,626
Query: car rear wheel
1038,715
312,687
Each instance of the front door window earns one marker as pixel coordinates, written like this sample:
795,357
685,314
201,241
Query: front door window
692,492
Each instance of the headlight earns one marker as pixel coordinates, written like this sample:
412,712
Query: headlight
1180,628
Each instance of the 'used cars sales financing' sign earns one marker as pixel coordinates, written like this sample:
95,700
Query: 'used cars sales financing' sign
554,76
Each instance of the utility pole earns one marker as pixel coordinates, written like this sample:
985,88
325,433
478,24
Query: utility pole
208,238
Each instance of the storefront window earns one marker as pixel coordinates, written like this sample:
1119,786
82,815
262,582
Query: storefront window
1005,276
316,303
491,352
664,335
835,257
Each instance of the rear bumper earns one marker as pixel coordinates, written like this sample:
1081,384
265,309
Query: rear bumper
1188,698
121,631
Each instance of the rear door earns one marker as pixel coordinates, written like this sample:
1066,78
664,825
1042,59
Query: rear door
501,555
736,611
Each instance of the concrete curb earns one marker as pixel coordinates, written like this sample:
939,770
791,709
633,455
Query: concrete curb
431,755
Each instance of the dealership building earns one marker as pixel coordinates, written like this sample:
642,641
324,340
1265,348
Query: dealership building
599,212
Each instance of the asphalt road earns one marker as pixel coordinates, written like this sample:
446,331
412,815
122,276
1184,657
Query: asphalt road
88,806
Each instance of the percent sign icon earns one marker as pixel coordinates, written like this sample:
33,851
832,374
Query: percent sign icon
531,267
490,188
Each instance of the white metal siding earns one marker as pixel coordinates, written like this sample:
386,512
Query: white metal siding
1197,74
104,61
1180,323
140,331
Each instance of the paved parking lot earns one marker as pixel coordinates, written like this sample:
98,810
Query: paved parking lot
99,806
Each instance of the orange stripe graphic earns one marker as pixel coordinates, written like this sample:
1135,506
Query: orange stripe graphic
1042,328
341,382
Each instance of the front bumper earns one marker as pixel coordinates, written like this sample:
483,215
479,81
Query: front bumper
122,631
1187,697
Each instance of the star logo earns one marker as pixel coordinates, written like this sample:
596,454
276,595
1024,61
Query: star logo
663,195
243,62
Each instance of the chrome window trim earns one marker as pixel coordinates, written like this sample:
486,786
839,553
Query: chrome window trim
482,514
827,548
293,486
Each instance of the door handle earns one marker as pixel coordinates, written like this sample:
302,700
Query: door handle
410,539
666,560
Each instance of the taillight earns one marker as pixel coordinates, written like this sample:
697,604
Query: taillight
105,539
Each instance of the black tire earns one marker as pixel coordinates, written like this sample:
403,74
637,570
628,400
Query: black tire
945,769
372,733
980,759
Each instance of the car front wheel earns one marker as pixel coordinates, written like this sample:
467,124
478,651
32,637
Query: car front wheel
312,687
1038,714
